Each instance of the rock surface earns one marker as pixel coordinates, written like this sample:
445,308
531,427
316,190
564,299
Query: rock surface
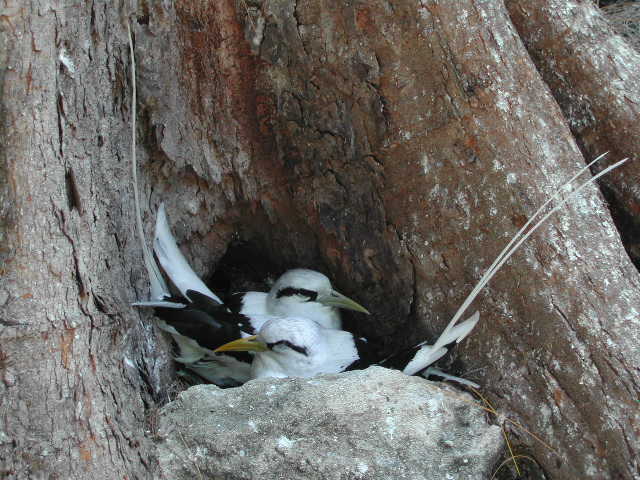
368,424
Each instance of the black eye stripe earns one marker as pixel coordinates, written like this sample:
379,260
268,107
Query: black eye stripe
298,349
290,291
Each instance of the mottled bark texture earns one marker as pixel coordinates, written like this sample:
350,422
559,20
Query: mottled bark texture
395,146
594,75
79,368
624,17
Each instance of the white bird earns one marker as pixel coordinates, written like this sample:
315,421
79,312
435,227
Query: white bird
199,321
297,293
299,347
228,370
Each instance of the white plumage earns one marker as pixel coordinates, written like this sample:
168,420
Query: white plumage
299,293
297,347
189,320
173,262
199,321
326,350
300,347
427,355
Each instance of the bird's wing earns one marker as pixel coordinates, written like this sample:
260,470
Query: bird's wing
234,321
207,331
342,351
248,303
174,263
366,354
223,370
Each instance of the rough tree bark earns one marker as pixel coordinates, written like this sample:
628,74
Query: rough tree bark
394,145
76,363
593,75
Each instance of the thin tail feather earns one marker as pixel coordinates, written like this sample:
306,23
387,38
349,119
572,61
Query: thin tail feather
520,238
157,286
434,371
506,249
159,304
174,263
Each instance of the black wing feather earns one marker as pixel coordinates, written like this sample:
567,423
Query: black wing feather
220,312
200,326
366,355
235,302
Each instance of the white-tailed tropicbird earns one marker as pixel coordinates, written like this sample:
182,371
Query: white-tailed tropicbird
297,293
199,321
300,347
297,347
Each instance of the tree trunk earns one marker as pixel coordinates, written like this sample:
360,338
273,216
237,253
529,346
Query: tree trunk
395,146
594,76
79,369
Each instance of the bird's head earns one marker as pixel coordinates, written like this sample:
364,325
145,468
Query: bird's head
296,347
285,336
296,291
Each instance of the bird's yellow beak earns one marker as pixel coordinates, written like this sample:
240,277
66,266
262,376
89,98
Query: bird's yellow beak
336,299
248,344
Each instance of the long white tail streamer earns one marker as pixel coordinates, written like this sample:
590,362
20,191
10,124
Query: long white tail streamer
434,371
157,286
514,244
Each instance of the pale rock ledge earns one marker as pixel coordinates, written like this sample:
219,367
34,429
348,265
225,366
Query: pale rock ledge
369,424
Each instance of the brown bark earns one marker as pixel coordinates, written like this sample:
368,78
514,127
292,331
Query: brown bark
379,142
594,75
73,398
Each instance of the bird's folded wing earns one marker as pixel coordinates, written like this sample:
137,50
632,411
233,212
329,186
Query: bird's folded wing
199,326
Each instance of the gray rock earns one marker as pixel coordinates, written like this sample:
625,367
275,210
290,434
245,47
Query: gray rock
368,424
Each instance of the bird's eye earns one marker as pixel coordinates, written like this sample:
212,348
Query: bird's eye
287,343
310,294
